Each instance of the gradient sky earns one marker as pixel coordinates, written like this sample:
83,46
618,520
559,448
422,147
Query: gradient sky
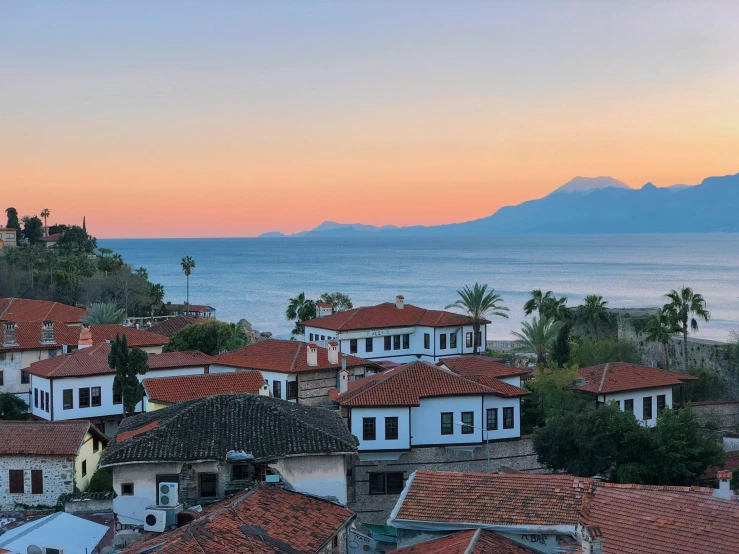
231,119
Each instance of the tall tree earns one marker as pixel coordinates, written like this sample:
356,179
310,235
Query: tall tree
338,300
128,365
32,229
13,222
188,264
539,336
561,348
300,309
45,213
660,328
103,314
547,305
594,311
76,239
478,304
688,307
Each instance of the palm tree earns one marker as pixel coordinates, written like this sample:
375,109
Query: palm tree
547,305
102,314
188,264
687,307
537,300
477,303
594,312
538,336
660,327
45,213
300,309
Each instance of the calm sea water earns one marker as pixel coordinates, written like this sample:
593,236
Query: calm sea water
254,278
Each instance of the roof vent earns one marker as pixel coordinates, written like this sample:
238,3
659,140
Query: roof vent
9,338
400,301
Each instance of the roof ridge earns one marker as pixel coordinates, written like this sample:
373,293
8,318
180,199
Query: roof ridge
12,299
603,377
473,542
350,317
297,351
52,307
375,382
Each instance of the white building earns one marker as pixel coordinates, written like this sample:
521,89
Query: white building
644,391
397,332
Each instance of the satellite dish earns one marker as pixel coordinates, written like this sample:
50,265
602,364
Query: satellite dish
33,549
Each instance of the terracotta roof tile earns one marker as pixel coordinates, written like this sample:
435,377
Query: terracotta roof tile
185,358
171,390
620,376
24,309
264,520
481,365
44,438
387,315
169,327
478,541
28,336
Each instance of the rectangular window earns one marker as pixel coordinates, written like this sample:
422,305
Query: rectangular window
42,401
507,418
468,422
447,423
2,379
391,428
353,346
95,391
84,468
406,342
388,342
208,485
478,338
323,337
84,398
442,341
647,412
368,344
277,389
396,342
377,483
15,481
48,407
394,482
37,481
453,340
292,390
35,398
67,399
660,403
95,444
240,471
629,405
369,431
117,397
468,340
492,419
25,377
310,337
127,489
386,483
426,341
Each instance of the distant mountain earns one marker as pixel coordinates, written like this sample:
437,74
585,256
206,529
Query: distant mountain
334,229
272,234
601,205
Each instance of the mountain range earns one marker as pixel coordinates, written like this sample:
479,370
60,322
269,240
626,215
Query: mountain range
586,205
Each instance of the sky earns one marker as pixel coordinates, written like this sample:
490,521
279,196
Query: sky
197,119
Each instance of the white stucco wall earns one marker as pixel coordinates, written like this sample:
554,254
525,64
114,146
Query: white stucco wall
403,442
269,376
15,361
317,475
638,397
131,510
426,420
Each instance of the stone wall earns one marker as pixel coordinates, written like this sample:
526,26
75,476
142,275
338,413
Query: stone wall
720,415
518,454
81,506
313,386
58,475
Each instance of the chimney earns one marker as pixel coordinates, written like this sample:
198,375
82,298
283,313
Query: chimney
343,381
400,301
724,485
343,361
9,336
47,332
333,352
264,389
592,540
323,309
312,354
85,339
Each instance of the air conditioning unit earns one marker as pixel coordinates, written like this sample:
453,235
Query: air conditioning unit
53,550
167,494
155,520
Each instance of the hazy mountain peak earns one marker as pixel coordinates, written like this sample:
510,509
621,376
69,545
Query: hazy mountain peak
586,184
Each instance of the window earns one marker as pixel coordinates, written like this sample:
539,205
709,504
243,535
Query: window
386,483
468,340
67,399
277,389
353,346
647,412
35,398
25,377
240,471
48,407
442,341
507,418
292,390
37,481
84,468
447,423
492,419
388,341
468,422
335,543
310,337
95,391
426,341
452,340
118,397
42,401
84,398
396,342
368,344
208,485
369,431
660,403
391,428
629,405
2,379
127,489
15,480
478,338
95,444
323,337
406,342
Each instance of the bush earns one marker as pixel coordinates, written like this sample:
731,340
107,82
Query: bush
12,407
101,481
588,352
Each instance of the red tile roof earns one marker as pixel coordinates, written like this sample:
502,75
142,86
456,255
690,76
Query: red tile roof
23,309
407,384
284,356
125,435
169,327
264,520
481,365
51,238
190,307
94,361
170,390
44,438
479,541
620,376
28,336
387,315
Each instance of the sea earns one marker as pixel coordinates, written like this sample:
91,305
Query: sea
253,278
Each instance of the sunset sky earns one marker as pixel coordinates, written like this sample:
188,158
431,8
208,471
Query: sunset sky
231,119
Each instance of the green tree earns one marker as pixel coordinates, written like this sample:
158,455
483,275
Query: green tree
660,328
338,300
210,337
45,213
587,352
709,385
156,296
76,239
300,309
688,307
12,407
101,480
128,365
188,264
593,312
551,396
32,229
561,348
102,314
479,304
547,305
538,336
13,222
